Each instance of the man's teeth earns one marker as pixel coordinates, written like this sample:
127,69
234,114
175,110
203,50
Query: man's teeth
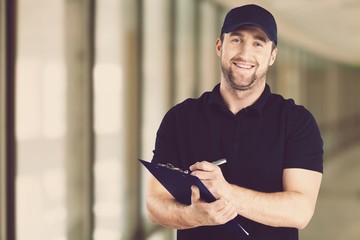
243,66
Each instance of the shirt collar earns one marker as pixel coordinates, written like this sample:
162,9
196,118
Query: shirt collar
258,106
216,99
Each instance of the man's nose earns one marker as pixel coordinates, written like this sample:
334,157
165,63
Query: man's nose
244,50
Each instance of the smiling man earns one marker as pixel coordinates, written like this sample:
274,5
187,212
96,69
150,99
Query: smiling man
273,147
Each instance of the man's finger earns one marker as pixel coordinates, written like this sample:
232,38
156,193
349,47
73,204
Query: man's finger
195,194
203,166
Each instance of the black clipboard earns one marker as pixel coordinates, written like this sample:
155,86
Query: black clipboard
179,186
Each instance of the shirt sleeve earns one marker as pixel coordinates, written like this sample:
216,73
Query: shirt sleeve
304,145
166,142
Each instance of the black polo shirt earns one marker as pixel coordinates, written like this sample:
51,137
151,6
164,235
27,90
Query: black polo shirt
259,142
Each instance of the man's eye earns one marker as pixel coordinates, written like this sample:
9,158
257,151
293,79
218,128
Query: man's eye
257,44
235,40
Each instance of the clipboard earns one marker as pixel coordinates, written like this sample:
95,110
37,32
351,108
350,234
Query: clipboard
179,185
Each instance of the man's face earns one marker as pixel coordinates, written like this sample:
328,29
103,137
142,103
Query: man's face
246,55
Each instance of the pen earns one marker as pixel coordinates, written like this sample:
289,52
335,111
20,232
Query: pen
219,162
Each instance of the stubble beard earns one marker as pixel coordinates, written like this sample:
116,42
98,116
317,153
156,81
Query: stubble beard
231,79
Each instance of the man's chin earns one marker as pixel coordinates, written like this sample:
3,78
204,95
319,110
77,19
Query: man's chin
244,86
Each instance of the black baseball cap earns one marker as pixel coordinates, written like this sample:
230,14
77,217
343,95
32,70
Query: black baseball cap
251,15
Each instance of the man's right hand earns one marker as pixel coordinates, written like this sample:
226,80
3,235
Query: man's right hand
205,214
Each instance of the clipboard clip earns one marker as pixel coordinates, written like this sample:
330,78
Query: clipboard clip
172,167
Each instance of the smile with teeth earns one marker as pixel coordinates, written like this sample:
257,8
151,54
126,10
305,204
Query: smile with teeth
244,66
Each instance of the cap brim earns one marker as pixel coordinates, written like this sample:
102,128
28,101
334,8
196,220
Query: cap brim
238,25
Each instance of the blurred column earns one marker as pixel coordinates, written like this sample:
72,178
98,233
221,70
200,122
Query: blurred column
315,94
79,160
331,107
185,52
157,85
288,73
303,78
281,70
7,119
40,120
132,65
208,60
156,82
348,106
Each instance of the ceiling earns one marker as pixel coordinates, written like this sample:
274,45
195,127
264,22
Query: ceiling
330,28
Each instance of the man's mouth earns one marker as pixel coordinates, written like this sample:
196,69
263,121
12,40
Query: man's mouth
244,65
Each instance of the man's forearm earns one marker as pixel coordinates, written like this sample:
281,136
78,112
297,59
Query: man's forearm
292,207
167,212
281,209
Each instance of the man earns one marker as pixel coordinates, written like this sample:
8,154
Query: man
273,147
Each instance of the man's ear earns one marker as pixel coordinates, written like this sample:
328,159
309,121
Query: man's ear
273,56
218,47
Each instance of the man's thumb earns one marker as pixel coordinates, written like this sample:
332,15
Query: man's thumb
195,193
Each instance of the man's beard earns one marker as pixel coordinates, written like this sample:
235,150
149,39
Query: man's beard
231,79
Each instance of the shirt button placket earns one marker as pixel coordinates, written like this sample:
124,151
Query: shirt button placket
237,129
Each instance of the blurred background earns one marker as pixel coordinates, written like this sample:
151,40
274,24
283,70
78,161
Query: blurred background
84,85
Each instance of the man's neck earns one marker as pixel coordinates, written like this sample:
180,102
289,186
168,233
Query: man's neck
237,100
